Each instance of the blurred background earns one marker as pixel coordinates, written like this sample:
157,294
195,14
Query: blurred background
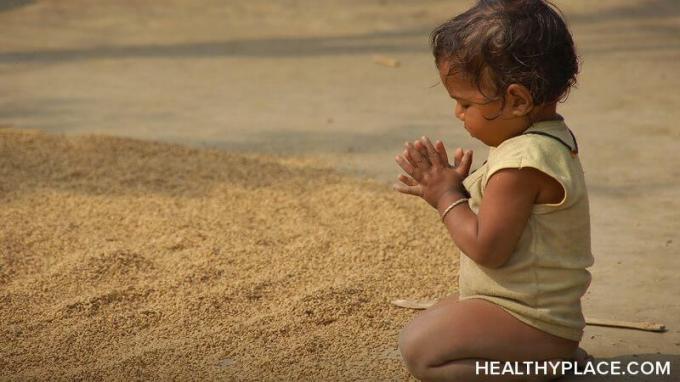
347,82
299,77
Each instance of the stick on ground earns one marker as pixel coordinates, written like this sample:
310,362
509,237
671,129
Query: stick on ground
648,326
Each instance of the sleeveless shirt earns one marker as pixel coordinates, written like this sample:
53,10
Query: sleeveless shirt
544,279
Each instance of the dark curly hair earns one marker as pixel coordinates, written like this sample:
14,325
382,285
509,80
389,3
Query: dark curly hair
500,42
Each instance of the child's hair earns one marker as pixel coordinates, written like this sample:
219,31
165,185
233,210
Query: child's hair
500,42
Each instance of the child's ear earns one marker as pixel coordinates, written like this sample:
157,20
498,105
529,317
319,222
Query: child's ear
519,99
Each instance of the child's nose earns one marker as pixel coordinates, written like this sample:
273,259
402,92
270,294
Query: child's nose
459,112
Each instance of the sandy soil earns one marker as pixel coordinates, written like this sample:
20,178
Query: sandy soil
290,86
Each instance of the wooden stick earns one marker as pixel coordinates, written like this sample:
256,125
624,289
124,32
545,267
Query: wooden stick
647,326
414,304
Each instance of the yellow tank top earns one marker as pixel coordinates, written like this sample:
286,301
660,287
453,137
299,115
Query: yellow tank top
543,281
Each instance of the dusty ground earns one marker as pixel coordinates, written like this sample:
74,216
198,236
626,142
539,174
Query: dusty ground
296,79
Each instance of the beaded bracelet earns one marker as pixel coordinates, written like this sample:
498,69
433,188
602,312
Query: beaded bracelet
450,207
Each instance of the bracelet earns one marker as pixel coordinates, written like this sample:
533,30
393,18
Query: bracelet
450,207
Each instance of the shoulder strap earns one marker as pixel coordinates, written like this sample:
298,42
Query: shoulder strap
574,150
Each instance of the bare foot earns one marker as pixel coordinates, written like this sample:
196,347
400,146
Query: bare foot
582,358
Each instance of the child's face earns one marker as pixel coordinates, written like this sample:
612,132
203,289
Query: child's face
472,107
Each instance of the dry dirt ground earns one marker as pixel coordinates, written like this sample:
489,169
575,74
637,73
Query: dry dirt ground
103,264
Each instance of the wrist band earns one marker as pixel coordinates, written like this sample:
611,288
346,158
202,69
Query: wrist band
450,207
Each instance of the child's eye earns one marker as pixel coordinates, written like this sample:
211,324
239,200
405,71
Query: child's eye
462,104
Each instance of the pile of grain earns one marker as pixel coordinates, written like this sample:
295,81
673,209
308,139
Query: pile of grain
124,259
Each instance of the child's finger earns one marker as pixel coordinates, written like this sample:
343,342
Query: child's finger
458,156
439,146
411,190
465,164
406,166
420,146
431,152
421,149
407,156
407,180
419,160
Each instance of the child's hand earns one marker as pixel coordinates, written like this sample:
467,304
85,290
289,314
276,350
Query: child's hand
431,175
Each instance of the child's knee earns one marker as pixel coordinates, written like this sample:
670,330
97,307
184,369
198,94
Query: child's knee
408,347
413,349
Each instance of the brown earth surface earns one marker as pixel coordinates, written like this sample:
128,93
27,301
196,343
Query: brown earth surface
268,244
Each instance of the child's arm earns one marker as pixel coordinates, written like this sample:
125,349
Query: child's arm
490,237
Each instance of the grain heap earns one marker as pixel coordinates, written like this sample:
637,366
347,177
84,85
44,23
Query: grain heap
124,259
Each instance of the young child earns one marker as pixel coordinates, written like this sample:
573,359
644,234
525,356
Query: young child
521,221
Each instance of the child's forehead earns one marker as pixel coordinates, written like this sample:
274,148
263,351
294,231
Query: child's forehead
458,85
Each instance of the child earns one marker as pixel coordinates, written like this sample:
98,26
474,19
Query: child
524,232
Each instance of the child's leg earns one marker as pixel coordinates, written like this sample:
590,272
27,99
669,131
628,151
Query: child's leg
444,341
465,370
